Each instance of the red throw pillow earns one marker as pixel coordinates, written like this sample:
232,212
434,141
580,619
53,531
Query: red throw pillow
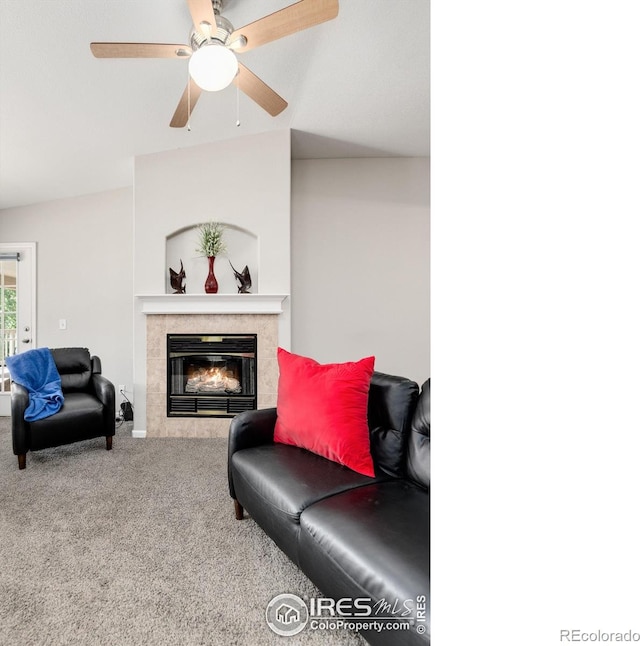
323,408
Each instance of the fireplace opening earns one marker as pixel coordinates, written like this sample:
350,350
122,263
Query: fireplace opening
211,375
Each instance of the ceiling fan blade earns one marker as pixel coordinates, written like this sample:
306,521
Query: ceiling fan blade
259,91
296,17
140,50
182,113
203,15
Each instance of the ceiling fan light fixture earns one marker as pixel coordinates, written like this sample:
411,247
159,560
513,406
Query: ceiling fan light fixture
213,67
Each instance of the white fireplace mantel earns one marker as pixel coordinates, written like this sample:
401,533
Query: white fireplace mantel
211,303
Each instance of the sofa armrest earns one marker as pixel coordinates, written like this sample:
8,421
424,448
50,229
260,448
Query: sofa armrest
106,393
252,428
248,429
19,428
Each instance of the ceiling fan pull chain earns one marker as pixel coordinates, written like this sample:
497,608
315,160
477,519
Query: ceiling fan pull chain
237,107
188,101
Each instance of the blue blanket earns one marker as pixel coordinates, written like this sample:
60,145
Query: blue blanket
37,372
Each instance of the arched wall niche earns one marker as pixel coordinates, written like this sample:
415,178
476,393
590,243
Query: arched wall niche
242,249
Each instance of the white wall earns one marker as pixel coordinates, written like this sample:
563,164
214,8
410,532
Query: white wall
360,262
84,273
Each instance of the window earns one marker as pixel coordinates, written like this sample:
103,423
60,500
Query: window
8,316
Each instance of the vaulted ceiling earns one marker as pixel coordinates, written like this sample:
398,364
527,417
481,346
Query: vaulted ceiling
72,124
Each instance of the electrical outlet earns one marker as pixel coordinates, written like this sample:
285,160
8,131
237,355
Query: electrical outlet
122,388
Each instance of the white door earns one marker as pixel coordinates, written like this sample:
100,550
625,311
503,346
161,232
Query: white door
17,309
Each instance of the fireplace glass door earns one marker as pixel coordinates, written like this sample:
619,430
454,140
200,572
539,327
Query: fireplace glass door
211,375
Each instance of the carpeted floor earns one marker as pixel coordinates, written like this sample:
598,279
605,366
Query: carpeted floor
136,546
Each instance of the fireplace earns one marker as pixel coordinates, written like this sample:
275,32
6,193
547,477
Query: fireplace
211,375
192,315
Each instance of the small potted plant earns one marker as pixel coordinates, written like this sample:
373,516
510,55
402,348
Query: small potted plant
211,245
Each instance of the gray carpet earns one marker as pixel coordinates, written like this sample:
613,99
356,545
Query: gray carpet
136,546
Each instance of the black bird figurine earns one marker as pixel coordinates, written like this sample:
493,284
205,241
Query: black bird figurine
243,278
177,278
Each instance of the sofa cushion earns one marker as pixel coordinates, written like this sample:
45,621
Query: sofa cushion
372,542
74,366
276,482
323,408
419,445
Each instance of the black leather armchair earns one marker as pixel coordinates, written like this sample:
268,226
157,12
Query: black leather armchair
88,410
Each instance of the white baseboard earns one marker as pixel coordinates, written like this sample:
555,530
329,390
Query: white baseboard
141,434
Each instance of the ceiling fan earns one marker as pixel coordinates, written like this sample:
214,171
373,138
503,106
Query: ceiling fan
213,43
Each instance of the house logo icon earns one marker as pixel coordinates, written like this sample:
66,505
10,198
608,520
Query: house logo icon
287,614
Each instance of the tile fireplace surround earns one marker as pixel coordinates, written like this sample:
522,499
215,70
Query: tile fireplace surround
207,314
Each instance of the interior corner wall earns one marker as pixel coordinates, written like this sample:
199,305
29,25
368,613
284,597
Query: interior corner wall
360,234
84,273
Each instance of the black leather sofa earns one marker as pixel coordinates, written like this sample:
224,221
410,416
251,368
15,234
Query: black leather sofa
352,535
88,410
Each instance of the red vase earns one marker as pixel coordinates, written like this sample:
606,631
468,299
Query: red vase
211,284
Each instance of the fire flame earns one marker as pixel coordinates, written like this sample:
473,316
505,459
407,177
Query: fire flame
203,379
